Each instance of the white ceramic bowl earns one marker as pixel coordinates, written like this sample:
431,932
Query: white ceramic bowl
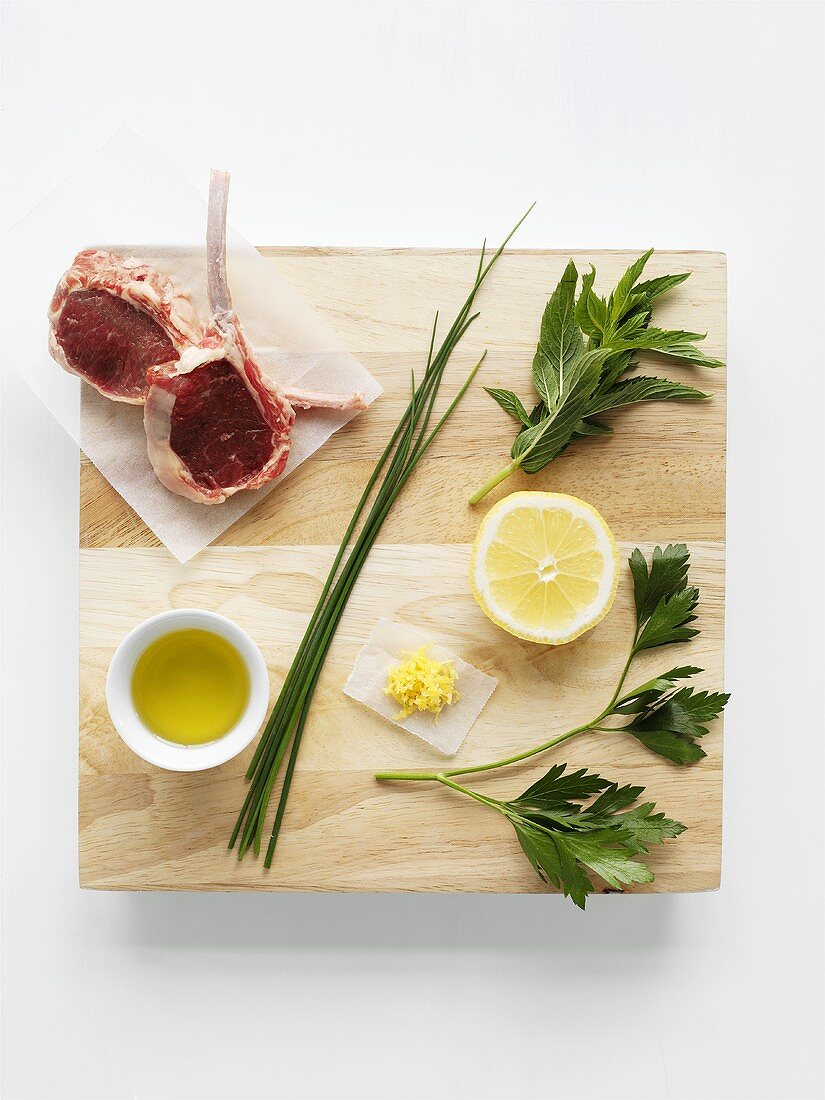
154,749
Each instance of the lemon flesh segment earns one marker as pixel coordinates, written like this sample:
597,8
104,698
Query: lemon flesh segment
544,566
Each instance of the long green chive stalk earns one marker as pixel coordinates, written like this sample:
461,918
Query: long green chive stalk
409,442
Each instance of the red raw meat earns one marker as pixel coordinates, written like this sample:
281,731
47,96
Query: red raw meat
215,423
112,317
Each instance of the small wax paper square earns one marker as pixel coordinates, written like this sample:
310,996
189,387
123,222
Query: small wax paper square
130,199
382,651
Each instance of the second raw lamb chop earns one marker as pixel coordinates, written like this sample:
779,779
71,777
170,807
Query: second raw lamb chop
215,423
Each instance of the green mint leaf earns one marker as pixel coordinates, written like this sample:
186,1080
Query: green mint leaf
674,342
631,327
538,413
545,379
591,310
592,427
616,365
654,287
634,390
622,298
560,337
540,444
572,328
510,403
667,574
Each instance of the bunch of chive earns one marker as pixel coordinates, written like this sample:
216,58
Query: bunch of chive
408,443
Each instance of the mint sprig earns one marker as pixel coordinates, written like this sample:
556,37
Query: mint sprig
586,348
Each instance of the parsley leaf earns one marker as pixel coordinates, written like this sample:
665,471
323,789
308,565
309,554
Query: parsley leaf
671,724
648,828
557,789
667,574
553,864
646,693
564,839
668,622
668,718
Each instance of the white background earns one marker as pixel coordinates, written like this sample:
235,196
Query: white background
679,125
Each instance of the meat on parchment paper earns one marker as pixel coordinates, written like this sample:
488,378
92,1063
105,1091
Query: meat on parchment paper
215,422
112,318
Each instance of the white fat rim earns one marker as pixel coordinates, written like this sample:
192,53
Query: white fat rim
552,502
169,470
192,358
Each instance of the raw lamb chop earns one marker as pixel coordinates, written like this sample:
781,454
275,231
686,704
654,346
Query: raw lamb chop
111,318
215,423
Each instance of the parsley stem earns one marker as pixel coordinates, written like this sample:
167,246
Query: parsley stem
496,479
592,726
443,777
615,697
439,777
524,755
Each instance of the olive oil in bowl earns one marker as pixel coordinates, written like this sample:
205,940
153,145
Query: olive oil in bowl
190,686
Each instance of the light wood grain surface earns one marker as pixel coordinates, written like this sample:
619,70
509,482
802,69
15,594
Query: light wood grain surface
660,477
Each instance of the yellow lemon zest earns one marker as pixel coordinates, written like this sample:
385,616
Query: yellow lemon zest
420,683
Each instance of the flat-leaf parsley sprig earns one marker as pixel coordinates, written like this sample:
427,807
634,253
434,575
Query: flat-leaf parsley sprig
667,719
584,353
564,840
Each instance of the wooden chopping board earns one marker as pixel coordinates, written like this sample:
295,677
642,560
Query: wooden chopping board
660,478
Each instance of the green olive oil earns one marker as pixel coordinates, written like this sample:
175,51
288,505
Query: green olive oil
190,686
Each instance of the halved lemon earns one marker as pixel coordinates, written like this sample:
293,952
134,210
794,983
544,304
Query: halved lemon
544,566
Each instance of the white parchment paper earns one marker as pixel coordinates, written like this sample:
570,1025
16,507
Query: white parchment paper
383,650
129,198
